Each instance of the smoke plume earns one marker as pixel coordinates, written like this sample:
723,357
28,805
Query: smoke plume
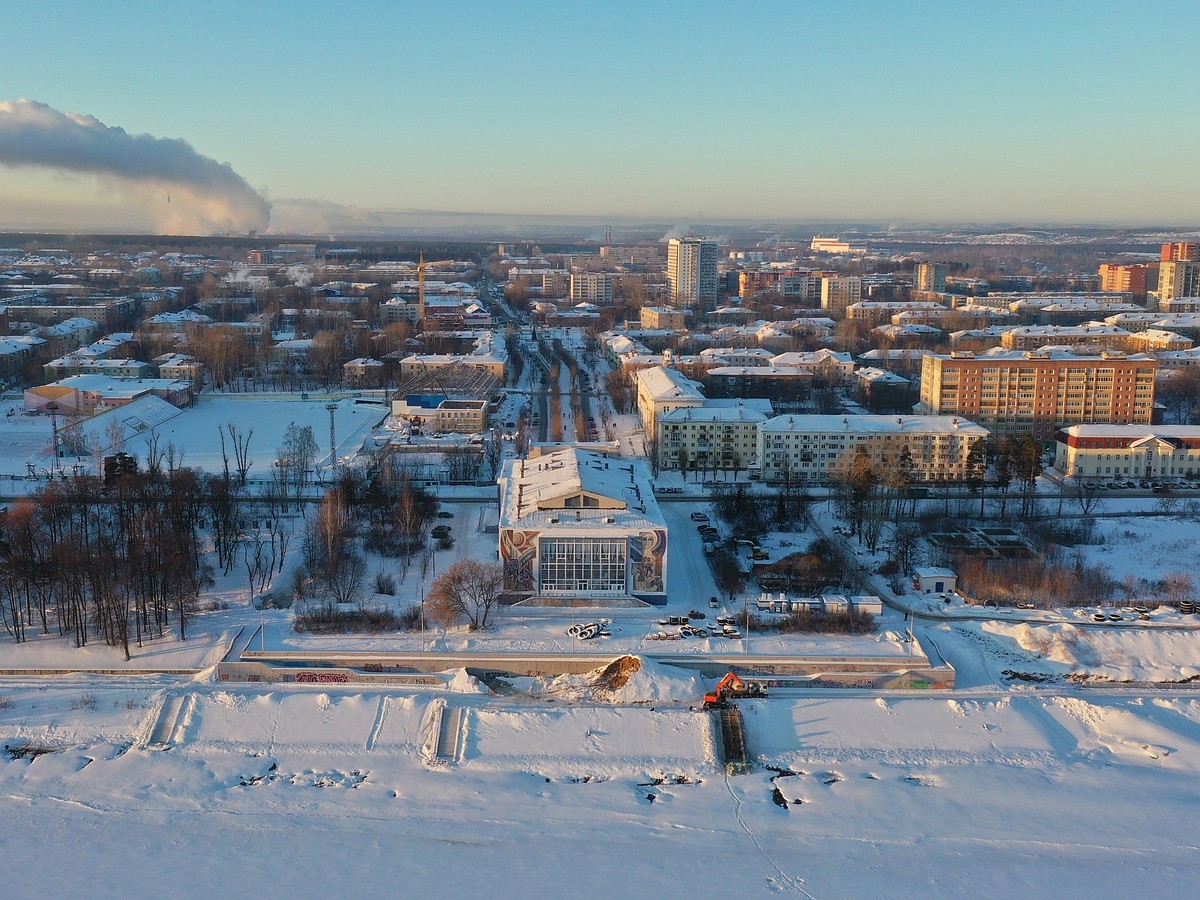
181,191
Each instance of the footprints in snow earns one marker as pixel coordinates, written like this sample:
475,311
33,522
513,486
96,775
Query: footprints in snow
306,779
780,799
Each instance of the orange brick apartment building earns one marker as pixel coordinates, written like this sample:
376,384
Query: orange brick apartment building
1039,391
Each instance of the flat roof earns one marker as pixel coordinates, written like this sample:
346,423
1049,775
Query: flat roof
872,424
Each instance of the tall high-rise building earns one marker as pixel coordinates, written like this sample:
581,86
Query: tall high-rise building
839,291
1178,279
692,271
1180,251
929,277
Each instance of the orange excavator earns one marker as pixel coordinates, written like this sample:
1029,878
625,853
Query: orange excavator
731,687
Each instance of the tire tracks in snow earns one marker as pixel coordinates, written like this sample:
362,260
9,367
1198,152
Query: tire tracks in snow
377,726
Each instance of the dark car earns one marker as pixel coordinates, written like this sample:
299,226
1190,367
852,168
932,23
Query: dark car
441,531
445,514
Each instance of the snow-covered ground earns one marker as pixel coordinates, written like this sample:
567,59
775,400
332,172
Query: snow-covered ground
577,786
1145,548
316,793
196,432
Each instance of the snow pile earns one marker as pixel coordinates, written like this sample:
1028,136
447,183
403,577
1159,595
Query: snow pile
627,679
462,683
1109,654
654,682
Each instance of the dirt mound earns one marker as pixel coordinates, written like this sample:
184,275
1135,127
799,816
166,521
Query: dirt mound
617,673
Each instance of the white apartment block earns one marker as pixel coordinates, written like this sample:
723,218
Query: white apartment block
661,389
839,292
692,271
820,448
710,436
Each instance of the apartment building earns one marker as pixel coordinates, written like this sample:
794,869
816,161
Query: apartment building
692,271
661,389
1186,251
820,448
1039,391
839,292
592,287
876,312
714,436
930,276
1093,336
1131,279
656,317
1178,278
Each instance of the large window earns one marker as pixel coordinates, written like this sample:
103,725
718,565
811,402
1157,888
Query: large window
575,565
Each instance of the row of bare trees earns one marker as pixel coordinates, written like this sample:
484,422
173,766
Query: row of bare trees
120,565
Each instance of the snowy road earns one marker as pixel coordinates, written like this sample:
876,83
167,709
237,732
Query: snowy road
689,576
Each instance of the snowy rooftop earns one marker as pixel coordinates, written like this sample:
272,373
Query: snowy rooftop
802,358
706,413
872,424
120,386
761,371
532,490
1134,431
663,383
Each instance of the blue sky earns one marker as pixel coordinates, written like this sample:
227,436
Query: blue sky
900,111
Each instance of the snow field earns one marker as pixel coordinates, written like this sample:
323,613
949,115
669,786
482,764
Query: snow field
314,792
1109,653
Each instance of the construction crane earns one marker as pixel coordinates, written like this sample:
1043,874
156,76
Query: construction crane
732,687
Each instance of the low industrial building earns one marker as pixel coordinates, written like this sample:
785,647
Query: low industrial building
438,413
580,528
90,394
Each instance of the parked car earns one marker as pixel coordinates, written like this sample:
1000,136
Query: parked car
699,517
441,531
445,514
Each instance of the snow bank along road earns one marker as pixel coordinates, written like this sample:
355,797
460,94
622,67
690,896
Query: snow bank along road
316,792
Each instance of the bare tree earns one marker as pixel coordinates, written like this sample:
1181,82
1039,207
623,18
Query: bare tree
241,451
467,590
295,459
